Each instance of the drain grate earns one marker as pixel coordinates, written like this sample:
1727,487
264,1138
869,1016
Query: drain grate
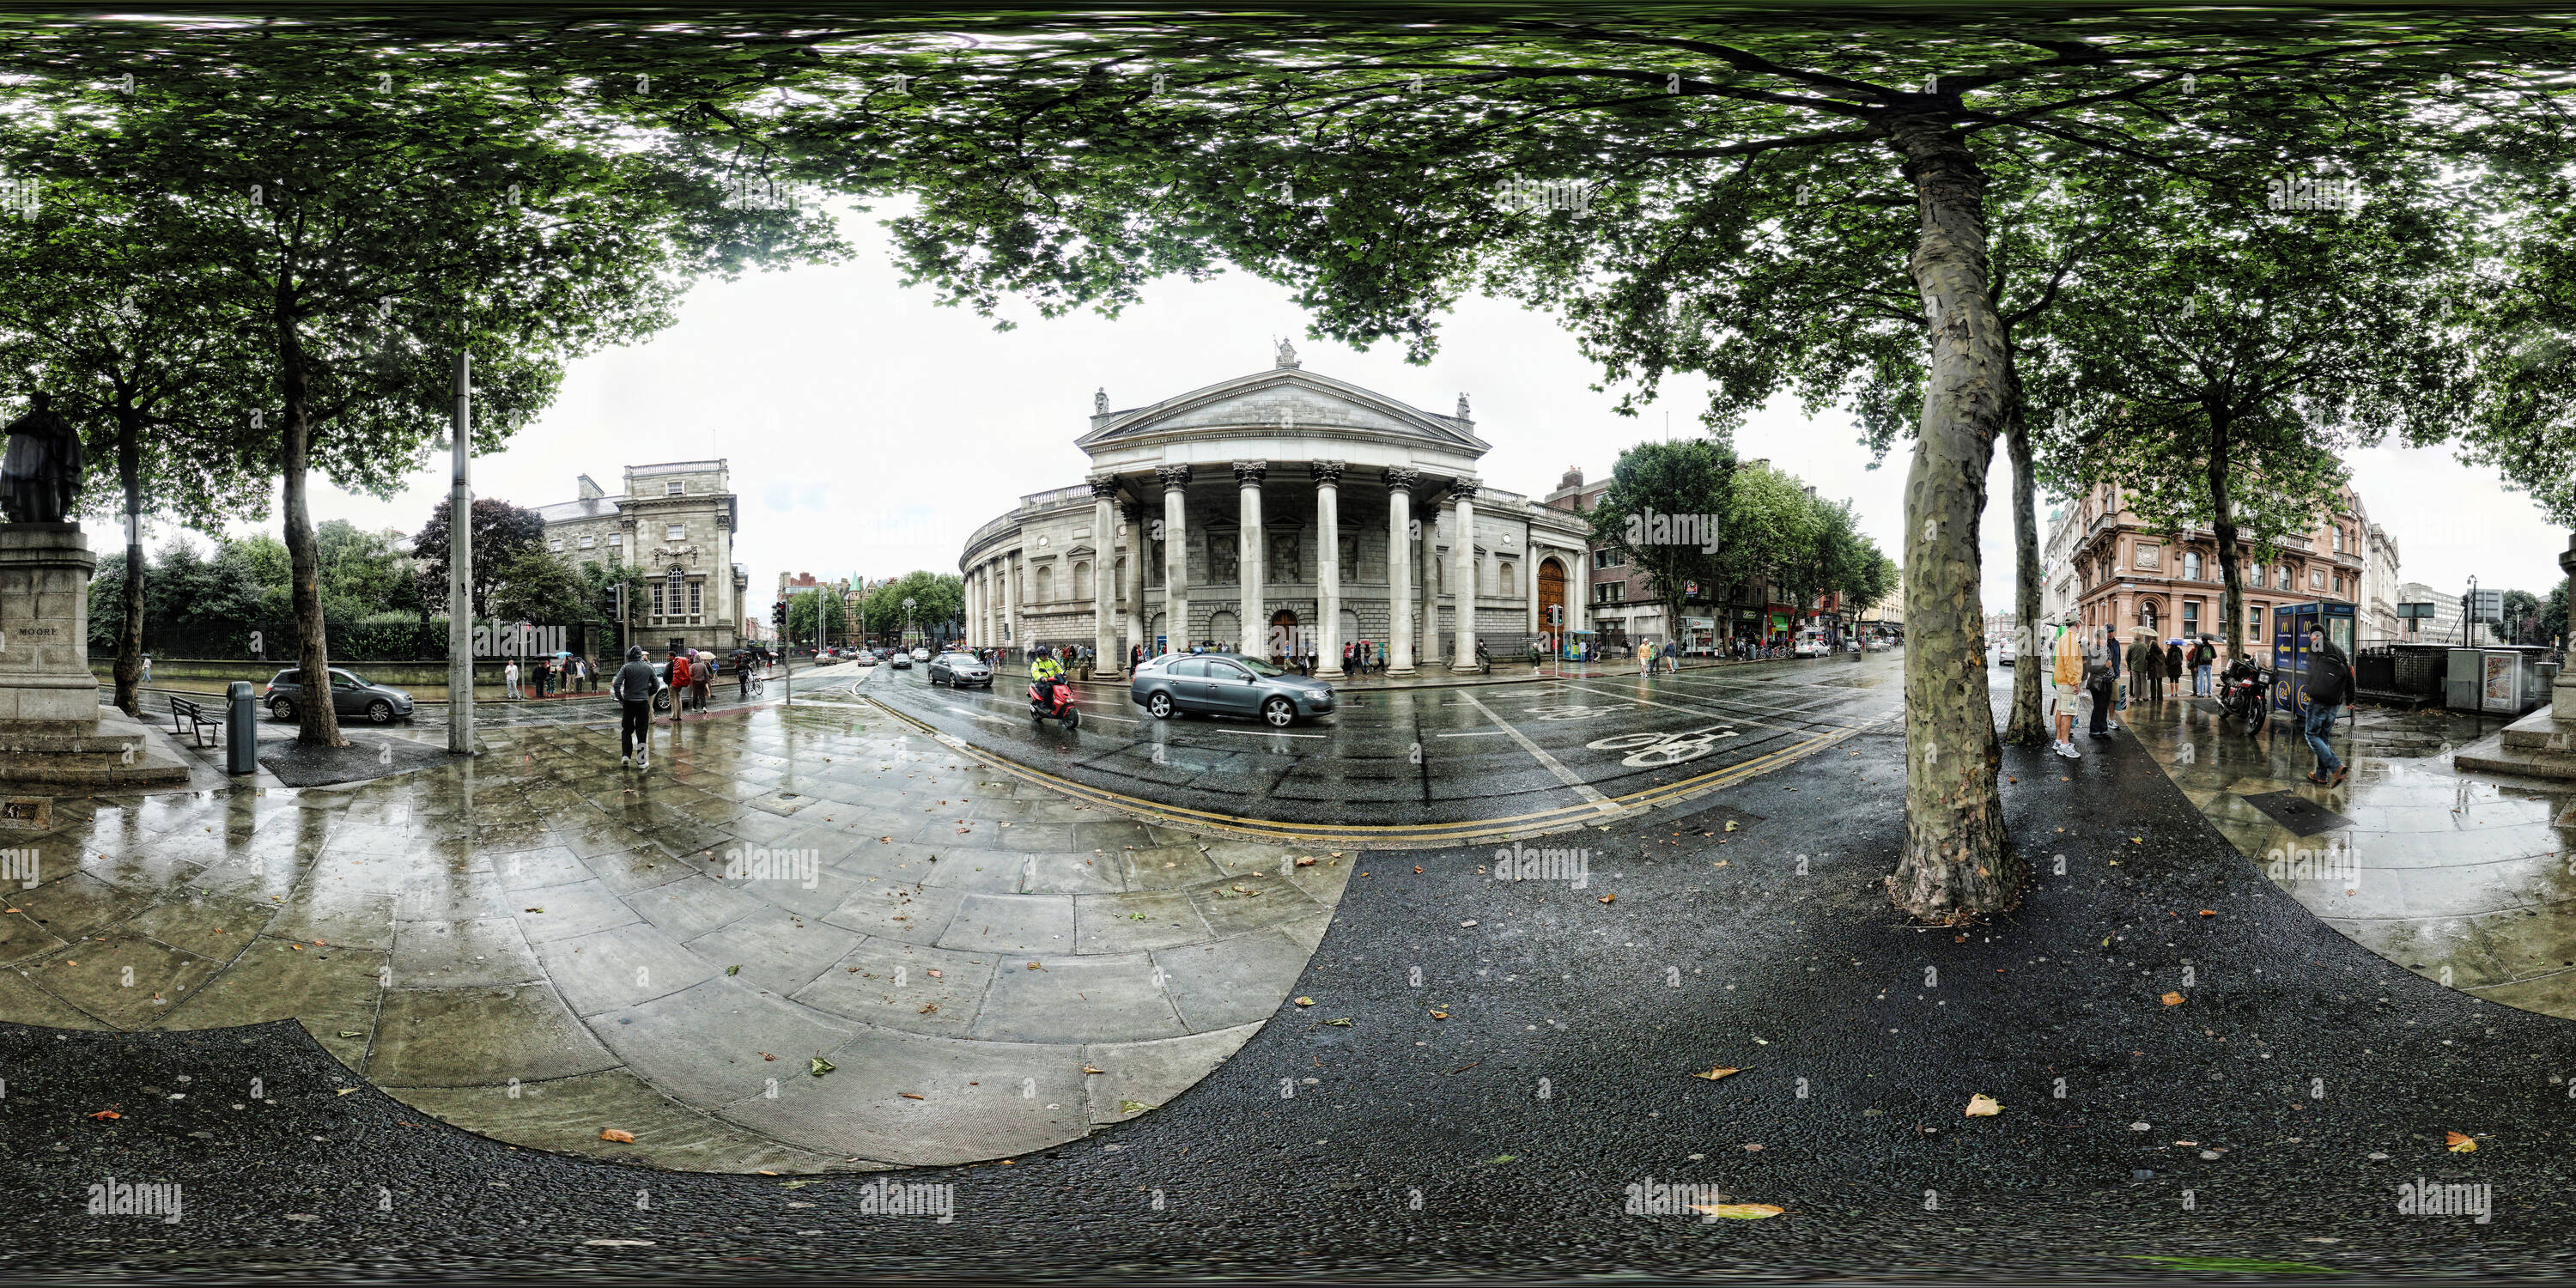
2302,816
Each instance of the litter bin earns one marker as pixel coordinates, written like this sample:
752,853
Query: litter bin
241,729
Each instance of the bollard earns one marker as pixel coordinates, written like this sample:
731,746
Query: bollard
241,729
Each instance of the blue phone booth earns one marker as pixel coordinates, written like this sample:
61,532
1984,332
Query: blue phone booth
2290,624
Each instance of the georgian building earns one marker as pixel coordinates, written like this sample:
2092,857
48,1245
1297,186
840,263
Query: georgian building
1279,505
2121,574
675,522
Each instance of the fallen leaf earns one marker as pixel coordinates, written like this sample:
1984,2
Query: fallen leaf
1417,867
353,1033
911,1095
1305,863
936,975
733,970
1608,897
1504,1158
2173,999
1739,1211
621,1137
1093,1068
1440,1015
1982,1105
1730,825
536,910
2454,1141
1305,1001
107,1114
1133,1106
822,1066
767,1056
346,1090
2209,912
1339,1024
1716,1073
1465,925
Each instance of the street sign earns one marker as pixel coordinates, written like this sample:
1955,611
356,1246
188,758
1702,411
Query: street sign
2424,611
2486,605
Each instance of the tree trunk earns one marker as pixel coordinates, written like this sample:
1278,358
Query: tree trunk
317,723
2026,728
129,631
2222,525
1957,863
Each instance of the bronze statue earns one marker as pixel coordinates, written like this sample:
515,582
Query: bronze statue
42,471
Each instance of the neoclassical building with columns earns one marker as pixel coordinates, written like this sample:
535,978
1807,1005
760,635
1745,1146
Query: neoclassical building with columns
1282,504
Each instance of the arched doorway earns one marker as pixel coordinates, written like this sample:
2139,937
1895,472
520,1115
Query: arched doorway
1553,619
1283,635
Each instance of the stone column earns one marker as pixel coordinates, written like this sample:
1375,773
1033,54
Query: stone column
1426,581
1530,560
1399,569
1133,578
1462,495
1176,556
1578,592
2563,690
1255,635
1104,576
974,628
1328,564
1011,603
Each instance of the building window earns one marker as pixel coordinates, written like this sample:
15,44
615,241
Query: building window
2338,540
2147,616
2338,583
676,487
657,600
2287,582
1610,592
555,545
696,590
675,532
1511,580
1607,558
589,542
616,540
2191,565
2257,579
2191,617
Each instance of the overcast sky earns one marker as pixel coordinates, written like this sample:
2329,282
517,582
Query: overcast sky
869,432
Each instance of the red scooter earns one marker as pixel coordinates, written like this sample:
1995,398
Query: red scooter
1053,700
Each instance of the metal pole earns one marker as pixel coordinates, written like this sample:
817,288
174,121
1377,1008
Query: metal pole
460,569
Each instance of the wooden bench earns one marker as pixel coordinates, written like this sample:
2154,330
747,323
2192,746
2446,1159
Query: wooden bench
190,718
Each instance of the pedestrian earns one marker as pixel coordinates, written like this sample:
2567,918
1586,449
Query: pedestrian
633,688
679,683
2173,668
2066,670
147,671
1349,648
2146,668
700,672
2204,655
2119,679
510,678
742,677
2101,680
2329,686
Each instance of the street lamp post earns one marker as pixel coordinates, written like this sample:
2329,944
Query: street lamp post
907,618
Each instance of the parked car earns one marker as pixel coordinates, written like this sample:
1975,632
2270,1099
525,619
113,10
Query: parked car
2004,651
921,655
1229,684
960,669
351,695
900,661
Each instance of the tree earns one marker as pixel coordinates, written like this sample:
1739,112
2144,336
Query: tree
1358,164
502,533
2522,619
533,584
938,598
816,616
1666,512
126,339
365,232
2220,375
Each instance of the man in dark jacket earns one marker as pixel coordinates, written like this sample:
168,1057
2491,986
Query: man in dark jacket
633,689
2329,684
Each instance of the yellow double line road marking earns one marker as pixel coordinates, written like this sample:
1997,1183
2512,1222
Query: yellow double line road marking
1397,835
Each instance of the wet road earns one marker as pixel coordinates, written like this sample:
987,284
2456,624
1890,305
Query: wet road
1544,753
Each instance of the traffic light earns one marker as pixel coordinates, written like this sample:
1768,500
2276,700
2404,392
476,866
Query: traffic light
778,618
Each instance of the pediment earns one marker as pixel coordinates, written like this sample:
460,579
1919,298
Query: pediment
1286,399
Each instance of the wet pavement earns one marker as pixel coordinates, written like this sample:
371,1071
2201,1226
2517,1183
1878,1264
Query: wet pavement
805,939
2176,1089
1525,758
2460,877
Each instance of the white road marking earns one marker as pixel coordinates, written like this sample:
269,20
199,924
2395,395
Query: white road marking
1554,766
1714,706
1268,733
1473,733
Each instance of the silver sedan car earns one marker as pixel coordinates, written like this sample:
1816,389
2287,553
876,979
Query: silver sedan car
960,669
1228,684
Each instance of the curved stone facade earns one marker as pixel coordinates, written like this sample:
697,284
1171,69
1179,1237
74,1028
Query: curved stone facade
1220,500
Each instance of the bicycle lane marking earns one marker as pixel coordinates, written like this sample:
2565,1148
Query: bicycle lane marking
1587,791
1717,706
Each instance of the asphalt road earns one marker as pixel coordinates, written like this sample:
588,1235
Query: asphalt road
1429,755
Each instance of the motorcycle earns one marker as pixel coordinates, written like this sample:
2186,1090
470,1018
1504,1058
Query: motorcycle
2245,693
1053,700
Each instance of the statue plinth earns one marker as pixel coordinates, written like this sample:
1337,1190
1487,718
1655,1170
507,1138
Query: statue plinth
2543,743
45,684
52,728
